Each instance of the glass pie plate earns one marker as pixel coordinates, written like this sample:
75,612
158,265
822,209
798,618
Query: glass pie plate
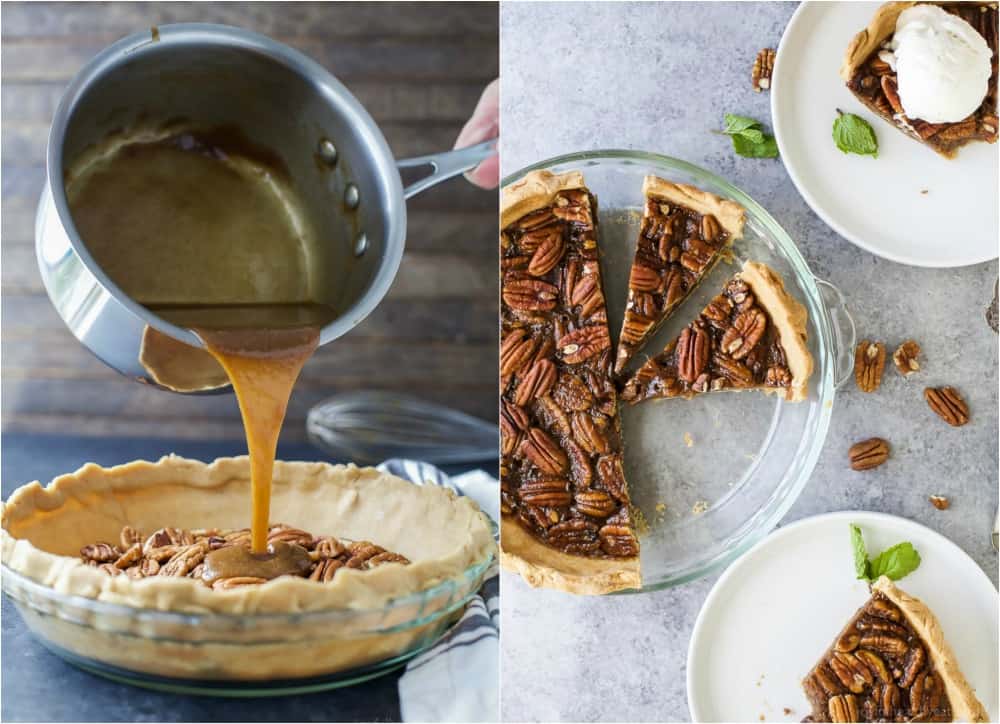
713,475
139,646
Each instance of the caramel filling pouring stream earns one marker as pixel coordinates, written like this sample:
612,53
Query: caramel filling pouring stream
262,365
206,230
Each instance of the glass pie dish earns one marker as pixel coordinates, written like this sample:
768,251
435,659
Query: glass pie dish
711,476
286,635
138,646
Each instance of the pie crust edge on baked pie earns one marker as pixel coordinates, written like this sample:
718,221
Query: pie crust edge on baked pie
791,319
58,515
965,706
538,564
731,217
728,213
964,703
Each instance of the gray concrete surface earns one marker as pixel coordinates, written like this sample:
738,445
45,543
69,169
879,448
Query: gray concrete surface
658,77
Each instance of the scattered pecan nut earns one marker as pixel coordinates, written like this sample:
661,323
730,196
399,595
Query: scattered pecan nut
869,361
948,405
906,358
868,454
763,67
940,502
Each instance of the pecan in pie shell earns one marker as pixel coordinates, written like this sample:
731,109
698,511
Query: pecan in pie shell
43,529
684,233
884,686
522,551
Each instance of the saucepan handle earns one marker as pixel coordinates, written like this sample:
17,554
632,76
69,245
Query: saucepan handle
844,331
446,165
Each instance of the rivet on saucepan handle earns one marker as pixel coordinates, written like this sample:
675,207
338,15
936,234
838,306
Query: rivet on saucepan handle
360,244
352,197
328,152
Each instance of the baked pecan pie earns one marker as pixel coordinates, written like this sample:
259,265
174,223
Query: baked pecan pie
566,521
751,336
871,72
891,663
683,231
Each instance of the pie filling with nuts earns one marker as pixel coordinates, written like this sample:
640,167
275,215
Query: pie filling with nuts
222,559
566,520
683,232
169,535
871,73
891,663
750,336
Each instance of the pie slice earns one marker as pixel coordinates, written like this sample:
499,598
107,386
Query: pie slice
683,232
867,71
565,521
891,663
751,336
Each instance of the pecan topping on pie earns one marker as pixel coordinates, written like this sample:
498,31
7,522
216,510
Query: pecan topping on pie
751,336
221,559
869,73
566,520
683,231
891,663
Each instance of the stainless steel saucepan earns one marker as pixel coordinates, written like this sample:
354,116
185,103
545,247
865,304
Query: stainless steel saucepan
338,160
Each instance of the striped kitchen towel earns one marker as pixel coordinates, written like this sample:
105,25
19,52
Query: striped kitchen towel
458,678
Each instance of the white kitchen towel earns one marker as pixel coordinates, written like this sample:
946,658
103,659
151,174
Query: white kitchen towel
458,678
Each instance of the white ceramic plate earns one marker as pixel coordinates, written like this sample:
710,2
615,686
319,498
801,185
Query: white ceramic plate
775,611
877,204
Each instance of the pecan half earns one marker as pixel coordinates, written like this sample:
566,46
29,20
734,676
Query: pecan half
588,435
868,454
763,66
537,382
583,343
644,279
693,349
544,452
843,708
546,492
869,361
905,358
547,255
100,553
595,503
948,404
516,350
529,295
748,327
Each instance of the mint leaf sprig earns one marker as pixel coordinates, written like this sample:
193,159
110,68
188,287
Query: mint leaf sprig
749,140
895,562
853,134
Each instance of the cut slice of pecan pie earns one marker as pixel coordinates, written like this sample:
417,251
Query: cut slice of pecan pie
751,336
566,522
683,231
868,71
891,663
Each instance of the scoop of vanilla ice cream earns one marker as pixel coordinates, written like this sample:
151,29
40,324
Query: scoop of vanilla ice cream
942,64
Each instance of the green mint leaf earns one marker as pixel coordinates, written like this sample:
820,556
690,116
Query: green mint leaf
895,562
751,135
738,124
766,148
861,566
853,134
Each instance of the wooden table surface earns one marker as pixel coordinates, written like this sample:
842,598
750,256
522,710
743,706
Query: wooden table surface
417,67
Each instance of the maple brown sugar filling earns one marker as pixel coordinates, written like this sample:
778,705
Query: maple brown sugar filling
878,669
676,248
733,344
561,467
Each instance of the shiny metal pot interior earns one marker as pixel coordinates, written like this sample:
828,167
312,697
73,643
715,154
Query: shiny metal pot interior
340,165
